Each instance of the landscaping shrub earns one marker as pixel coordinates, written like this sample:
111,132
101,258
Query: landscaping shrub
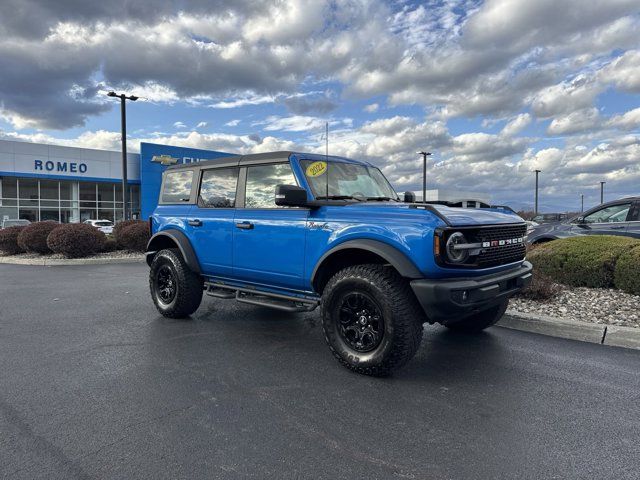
134,237
76,240
541,288
110,245
9,240
33,238
627,274
587,261
120,226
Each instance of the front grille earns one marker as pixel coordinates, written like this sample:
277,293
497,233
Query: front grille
495,254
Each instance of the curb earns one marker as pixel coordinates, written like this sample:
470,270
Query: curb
611,335
49,262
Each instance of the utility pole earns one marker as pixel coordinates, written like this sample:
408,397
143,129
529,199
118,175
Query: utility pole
123,126
535,210
581,202
602,192
424,174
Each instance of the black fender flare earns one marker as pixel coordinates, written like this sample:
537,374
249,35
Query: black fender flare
183,243
390,254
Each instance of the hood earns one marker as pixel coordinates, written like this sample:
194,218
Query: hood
457,217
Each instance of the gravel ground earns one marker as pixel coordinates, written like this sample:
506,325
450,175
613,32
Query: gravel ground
55,256
594,305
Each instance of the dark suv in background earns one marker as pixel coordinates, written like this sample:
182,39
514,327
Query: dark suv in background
620,217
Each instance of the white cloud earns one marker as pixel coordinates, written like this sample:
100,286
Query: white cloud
202,124
516,125
628,121
371,108
179,125
233,123
583,120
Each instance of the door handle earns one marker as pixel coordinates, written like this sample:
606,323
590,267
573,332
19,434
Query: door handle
195,223
245,225
618,227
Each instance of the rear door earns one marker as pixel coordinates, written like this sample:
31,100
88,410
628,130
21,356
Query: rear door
269,241
210,222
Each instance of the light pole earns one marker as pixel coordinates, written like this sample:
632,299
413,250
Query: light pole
602,192
581,202
123,125
424,174
535,210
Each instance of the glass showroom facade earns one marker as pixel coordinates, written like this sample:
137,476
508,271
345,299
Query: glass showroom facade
64,201
69,184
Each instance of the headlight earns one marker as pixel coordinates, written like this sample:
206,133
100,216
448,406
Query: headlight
454,255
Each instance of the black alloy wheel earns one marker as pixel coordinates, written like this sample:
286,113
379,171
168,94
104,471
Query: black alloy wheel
361,323
166,284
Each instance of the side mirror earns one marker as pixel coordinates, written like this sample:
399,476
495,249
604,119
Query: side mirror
409,197
291,196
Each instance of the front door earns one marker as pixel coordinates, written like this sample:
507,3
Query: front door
610,220
210,222
269,241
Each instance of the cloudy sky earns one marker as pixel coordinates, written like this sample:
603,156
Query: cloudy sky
494,88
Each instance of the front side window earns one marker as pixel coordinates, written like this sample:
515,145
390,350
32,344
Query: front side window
612,214
262,181
218,188
337,179
177,186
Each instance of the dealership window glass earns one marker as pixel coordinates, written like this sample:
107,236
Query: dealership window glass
218,188
262,181
66,192
612,214
28,189
177,186
9,187
49,189
88,191
105,192
106,214
49,214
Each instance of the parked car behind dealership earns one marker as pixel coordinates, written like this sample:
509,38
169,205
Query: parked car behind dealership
620,217
16,222
105,226
550,217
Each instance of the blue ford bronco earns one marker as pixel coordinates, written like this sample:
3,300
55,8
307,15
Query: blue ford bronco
295,231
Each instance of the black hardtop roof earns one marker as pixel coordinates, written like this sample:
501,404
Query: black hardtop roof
258,158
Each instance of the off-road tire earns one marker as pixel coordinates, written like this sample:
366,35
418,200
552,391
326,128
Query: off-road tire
189,286
479,321
402,315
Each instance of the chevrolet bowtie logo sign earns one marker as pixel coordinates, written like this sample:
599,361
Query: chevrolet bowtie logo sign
164,159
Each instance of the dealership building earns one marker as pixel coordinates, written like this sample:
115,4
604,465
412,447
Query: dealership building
68,184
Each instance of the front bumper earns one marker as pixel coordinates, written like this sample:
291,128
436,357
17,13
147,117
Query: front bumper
444,300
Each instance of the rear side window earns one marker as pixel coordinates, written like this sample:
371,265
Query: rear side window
177,186
262,181
218,188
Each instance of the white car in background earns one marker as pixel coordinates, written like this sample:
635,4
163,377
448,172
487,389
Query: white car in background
105,226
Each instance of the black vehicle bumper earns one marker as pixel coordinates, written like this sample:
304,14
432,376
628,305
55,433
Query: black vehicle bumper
444,300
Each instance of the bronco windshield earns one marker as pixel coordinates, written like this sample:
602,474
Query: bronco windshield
345,181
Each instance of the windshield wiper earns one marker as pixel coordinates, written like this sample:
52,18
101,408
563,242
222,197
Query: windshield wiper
338,197
381,199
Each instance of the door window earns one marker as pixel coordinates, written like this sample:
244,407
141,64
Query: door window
262,181
177,186
218,188
611,214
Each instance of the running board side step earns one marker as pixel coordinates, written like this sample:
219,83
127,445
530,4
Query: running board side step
287,303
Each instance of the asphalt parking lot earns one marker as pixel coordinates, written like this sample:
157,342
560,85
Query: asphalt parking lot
95,384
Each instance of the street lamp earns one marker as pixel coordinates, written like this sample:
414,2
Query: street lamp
123,125
602,192
536,205
424,174
581,202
